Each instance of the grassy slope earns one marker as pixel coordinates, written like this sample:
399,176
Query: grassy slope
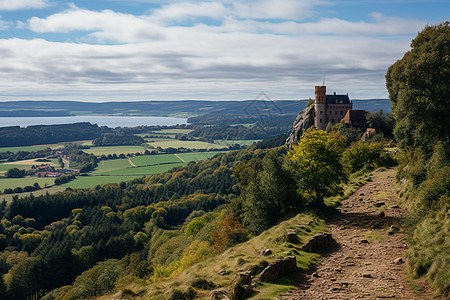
22,182
167,143
243,257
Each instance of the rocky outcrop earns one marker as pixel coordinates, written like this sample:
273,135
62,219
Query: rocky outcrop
241,286
305,119
318,242
278,268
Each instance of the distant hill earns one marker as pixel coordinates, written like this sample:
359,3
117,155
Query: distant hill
182,108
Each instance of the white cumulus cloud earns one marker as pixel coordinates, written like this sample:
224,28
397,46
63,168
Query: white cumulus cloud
22,4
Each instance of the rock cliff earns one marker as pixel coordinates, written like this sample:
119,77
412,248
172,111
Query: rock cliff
305,119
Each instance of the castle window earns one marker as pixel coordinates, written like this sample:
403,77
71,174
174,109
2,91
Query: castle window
320,112
320,120
342,112
331,112
335,112
332,121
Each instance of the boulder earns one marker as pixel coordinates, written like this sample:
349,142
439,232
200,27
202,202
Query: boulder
241,286
318,242
305,119
292,236
218,295
278,268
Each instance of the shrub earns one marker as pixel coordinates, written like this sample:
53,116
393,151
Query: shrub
360,154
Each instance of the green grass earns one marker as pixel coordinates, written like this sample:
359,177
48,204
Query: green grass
22,182
150,170
51,190
154,159
30,148
92,181
196,156
244,257
172,143
233,142
6,167
99,151
110,165
172,131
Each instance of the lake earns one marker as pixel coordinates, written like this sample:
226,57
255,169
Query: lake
110,121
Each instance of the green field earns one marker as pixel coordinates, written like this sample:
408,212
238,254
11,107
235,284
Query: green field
196,156
233,142
148,160
51,190
172,143
92,181
110,165
98,151
30,148
22,182
6,167
150,170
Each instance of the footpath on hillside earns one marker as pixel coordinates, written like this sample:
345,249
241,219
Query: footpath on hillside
368,260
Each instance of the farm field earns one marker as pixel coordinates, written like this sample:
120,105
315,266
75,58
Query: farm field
196,156
30,148
233,142
172,143
22,182
30,162
145,171
147,160
6,166
174,131
99,151
51,190
110,165
91,181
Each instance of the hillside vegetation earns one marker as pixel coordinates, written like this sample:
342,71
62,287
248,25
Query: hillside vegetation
419,86
133,236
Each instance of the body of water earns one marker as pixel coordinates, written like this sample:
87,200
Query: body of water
110,121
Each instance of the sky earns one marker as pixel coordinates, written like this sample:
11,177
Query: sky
115,50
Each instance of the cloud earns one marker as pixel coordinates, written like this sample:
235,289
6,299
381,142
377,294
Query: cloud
22,4
181,11
104,25
221,50
276,9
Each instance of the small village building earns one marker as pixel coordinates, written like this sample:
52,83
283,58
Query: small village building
355,117
368,133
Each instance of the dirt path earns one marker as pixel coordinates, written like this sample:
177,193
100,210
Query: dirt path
131,162
179,157
367,262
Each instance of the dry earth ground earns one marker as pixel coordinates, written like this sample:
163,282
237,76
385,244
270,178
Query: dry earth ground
368,260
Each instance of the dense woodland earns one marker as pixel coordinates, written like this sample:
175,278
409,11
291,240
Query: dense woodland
85,243
113,139
147,224
48,134
419,86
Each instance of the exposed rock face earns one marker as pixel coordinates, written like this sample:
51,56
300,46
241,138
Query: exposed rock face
278,268
305,119
240,287
318,242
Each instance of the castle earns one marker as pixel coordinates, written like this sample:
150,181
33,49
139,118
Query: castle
333,108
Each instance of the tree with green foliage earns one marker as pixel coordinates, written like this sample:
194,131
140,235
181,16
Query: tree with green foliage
418,86
316,162
15,173
360,154
269,193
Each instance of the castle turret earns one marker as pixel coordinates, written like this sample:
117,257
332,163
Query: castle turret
320,105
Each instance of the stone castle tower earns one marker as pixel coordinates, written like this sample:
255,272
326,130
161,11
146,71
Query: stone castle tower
329,108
